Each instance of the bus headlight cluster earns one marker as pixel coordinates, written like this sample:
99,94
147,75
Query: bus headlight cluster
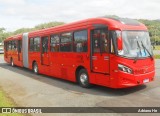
125,68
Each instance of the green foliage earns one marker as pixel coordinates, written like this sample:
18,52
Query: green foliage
38,27
111,16
154,28
157,48
5,101
2,29
22,30
48,25
3,34
156,56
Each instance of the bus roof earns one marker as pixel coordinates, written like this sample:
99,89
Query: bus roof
14,37
112,23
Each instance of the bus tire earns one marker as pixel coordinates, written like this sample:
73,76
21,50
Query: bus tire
83,79
35,68
12,62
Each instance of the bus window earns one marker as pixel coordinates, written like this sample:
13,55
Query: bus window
55,43
112,47
66,42
104,39
31,44
44,44
100,41
37,44
19,46
14,45
112,37
6,46
80,41
9,45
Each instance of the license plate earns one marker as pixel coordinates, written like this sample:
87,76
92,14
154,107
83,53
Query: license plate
145,80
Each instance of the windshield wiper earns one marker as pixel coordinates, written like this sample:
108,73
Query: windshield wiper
139,47
147,50
135,60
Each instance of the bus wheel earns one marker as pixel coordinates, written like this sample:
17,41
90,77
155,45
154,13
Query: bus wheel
35,68
83,79
12,63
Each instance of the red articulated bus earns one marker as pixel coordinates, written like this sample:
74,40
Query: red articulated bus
110,52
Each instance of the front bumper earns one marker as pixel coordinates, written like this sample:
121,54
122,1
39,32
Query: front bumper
129,80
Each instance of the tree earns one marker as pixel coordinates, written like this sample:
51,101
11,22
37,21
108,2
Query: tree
22,30
2,30
37,27
48,25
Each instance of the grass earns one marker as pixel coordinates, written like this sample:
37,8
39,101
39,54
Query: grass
5,101
157,48
156,56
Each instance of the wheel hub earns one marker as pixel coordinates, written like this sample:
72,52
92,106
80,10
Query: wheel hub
83,78
35,69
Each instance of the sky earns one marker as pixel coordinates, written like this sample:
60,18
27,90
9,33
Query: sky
15,14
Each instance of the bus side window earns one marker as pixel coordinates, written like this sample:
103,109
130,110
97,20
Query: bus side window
55,43
100,41
19,46
104,41
96,40
112,47
34,44
5,46
80,41
37,44
14,44
9,45
31,44
112,37
66,42
44,44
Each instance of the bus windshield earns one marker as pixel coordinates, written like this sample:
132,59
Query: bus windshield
136,44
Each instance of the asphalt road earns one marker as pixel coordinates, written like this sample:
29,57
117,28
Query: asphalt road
29,90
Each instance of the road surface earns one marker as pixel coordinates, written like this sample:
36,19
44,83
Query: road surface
29,90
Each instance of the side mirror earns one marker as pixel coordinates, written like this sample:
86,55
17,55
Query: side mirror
119,43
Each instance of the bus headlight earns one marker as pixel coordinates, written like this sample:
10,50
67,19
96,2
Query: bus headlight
125,69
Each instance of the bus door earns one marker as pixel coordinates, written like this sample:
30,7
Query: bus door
19,50
44,53
100,51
